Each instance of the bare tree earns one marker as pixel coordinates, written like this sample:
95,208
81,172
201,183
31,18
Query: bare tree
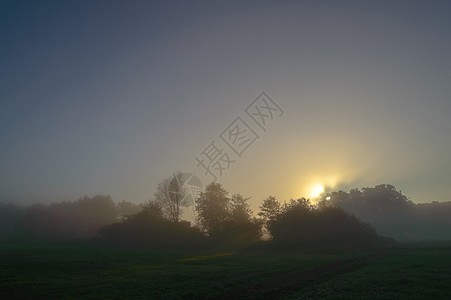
170,195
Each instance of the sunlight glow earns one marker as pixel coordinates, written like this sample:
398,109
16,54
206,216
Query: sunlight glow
316,190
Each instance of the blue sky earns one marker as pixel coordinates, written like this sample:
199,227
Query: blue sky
113,96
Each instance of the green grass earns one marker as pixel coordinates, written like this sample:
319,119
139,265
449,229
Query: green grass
77,272
415,272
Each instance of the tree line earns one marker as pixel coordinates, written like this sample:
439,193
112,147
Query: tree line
393,214
357,218
226,222
64,220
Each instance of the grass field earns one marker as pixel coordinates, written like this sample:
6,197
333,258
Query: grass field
75,272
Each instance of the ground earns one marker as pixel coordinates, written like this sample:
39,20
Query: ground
419,271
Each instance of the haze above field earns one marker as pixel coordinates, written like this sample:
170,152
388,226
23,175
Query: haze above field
111,97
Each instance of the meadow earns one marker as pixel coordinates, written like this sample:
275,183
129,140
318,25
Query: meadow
71,271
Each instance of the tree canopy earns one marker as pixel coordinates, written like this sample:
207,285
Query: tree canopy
228,219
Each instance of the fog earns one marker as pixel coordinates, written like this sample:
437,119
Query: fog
225,149
220,216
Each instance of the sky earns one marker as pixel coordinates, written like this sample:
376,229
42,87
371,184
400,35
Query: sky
111,97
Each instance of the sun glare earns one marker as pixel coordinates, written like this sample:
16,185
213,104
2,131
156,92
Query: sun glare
316,190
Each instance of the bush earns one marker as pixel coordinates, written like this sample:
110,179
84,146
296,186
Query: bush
301,224
148,231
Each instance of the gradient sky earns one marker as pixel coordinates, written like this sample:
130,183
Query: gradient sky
112,96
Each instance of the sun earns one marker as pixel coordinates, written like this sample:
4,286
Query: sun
316,190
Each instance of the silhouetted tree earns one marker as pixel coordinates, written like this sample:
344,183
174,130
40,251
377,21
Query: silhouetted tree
227,220
68,220
125,209
334,225
240,228
302,224
239,208
171,195
95,212
151,229
151,210
293,221
269,209
211,208
384,207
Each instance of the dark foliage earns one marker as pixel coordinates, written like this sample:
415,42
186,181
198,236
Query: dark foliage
431,221
226,220
125,209
67,220
150,229
393,214
303,225
10,216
